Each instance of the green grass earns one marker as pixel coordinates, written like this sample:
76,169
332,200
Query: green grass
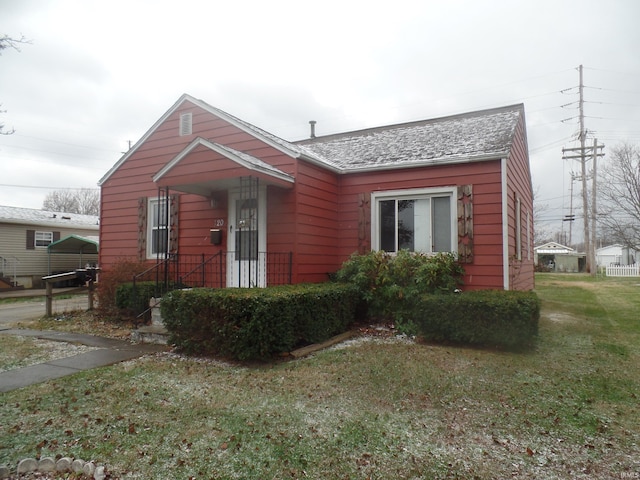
375,408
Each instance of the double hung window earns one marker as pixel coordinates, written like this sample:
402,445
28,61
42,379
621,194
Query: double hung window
43,239
415,220
158,233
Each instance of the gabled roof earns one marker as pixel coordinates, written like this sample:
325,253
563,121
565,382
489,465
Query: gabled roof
74,244
247,161
285,147
46,218
475,136
553,247
209,179
481,135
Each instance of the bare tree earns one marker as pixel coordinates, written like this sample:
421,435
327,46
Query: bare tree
619,189
541,233
9,42
84,201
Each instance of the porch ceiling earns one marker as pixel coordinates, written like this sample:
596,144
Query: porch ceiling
204,167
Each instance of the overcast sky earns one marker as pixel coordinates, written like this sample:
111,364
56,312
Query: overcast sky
98,74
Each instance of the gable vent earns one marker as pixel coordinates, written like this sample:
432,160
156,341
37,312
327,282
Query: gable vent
185,124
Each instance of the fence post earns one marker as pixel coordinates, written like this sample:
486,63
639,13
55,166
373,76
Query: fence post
203,268
134,291
290,267
220,270
49,298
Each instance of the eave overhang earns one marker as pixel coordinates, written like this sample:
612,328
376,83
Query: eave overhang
205,182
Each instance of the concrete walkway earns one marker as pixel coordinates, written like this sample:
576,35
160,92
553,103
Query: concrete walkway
109,351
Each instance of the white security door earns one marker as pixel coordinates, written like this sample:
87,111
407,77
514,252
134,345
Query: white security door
247,241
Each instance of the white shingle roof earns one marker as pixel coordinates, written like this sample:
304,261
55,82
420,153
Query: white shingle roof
470,136
30,216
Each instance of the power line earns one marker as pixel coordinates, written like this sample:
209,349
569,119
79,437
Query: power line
64,143
44,187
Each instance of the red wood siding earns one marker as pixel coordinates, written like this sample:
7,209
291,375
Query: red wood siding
133,179
321,218
317,234
521,272
486,269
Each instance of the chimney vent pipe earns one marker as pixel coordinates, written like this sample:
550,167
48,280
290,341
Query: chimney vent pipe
313,128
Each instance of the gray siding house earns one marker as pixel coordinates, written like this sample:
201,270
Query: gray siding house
25,236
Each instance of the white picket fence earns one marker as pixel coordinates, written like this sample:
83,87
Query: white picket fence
624,271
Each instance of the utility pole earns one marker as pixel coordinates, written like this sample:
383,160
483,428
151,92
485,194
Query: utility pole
583,164
581,154
588,214
571,217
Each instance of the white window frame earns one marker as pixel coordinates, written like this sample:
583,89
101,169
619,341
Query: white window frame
411,194
45,239
151,227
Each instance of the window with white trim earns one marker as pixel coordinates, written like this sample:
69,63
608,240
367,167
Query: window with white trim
157,231
43,239
418,220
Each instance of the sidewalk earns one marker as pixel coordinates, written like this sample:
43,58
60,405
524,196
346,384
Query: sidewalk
109,351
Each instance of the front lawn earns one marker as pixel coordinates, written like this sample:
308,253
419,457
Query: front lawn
374,407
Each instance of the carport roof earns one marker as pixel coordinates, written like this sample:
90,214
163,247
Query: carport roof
74,244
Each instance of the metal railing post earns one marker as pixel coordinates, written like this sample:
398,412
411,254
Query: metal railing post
204,273
290,267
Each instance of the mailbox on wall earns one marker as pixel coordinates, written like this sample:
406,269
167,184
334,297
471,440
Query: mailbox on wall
216,236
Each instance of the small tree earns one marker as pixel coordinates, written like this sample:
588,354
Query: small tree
121,272
541,233
619,189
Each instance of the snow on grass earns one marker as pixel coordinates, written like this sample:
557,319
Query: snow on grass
27,351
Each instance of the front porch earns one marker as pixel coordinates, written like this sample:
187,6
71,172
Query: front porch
213,271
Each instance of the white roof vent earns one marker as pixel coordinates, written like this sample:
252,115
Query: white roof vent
185,124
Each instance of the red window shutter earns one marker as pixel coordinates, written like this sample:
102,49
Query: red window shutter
142,228
364,223
173,222
31,239
465,223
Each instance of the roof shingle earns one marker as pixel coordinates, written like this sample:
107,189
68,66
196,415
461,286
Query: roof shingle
476,135
30,216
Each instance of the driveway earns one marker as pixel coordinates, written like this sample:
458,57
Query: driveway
34,308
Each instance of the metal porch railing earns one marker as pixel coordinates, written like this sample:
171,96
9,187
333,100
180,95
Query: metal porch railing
198,270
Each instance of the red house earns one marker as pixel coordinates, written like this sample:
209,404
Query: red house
228,204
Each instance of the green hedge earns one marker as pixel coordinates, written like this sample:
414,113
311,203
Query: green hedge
250,324
485,318
135,302
392,283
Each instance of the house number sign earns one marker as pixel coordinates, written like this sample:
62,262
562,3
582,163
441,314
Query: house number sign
218,222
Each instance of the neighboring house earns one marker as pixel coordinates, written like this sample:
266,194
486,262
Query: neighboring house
25,237
559,258
616,255
203,184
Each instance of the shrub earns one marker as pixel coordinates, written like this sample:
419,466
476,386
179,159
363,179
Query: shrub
134,300
391,284
506,319
250,324
120,272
